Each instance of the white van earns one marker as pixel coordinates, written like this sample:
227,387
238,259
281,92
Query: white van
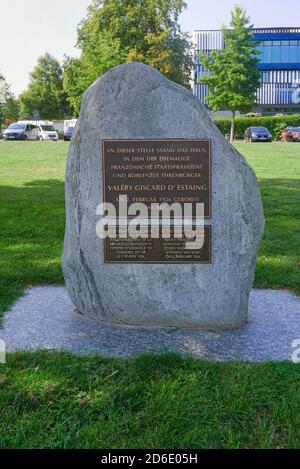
45,129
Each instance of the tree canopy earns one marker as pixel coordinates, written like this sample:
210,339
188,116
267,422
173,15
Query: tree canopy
234,77
9,106
118,31
45,91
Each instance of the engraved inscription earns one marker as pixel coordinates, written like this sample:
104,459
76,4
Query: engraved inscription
158,250
158,171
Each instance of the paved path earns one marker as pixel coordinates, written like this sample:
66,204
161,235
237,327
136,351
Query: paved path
44,318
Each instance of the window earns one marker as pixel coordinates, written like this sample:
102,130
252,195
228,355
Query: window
267,54
276,53
285,52
48,128
279,52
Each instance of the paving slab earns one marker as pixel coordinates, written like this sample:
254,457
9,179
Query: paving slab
45,318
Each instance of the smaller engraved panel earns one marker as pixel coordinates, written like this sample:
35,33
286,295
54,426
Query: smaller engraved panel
157,250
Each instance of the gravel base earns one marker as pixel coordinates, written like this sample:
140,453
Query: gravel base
44,318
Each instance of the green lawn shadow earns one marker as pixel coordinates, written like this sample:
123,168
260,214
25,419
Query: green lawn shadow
32,231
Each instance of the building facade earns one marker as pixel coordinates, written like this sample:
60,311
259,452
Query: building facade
279,66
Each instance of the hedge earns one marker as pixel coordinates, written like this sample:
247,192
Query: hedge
242,123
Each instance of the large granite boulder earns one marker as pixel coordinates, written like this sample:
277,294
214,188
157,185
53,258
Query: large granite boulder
134,101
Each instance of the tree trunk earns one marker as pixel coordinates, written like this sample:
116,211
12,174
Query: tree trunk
232,127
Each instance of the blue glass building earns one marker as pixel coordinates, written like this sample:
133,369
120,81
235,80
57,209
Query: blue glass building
279,66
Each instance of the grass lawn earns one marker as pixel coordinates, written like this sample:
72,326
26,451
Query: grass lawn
32,215
277,167
58,400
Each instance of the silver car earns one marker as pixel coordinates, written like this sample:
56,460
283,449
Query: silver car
21,131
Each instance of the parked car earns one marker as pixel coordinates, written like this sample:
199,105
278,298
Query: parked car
69,126
47,131
257,134
21,131
291,134
68,133
253,114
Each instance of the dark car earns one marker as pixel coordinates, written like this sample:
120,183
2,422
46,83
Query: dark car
257,134
21,131
68,133
291,134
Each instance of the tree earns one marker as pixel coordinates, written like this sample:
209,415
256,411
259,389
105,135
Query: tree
118,31
45,91
234,78
96,60
9,106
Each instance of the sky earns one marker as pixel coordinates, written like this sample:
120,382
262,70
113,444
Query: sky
29,28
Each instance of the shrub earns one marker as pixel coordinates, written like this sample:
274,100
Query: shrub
271,122
278,130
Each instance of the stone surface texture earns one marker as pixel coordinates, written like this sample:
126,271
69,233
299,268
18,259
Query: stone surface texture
44,318
134,101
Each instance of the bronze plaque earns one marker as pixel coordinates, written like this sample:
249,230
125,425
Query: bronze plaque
158,171
156,250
